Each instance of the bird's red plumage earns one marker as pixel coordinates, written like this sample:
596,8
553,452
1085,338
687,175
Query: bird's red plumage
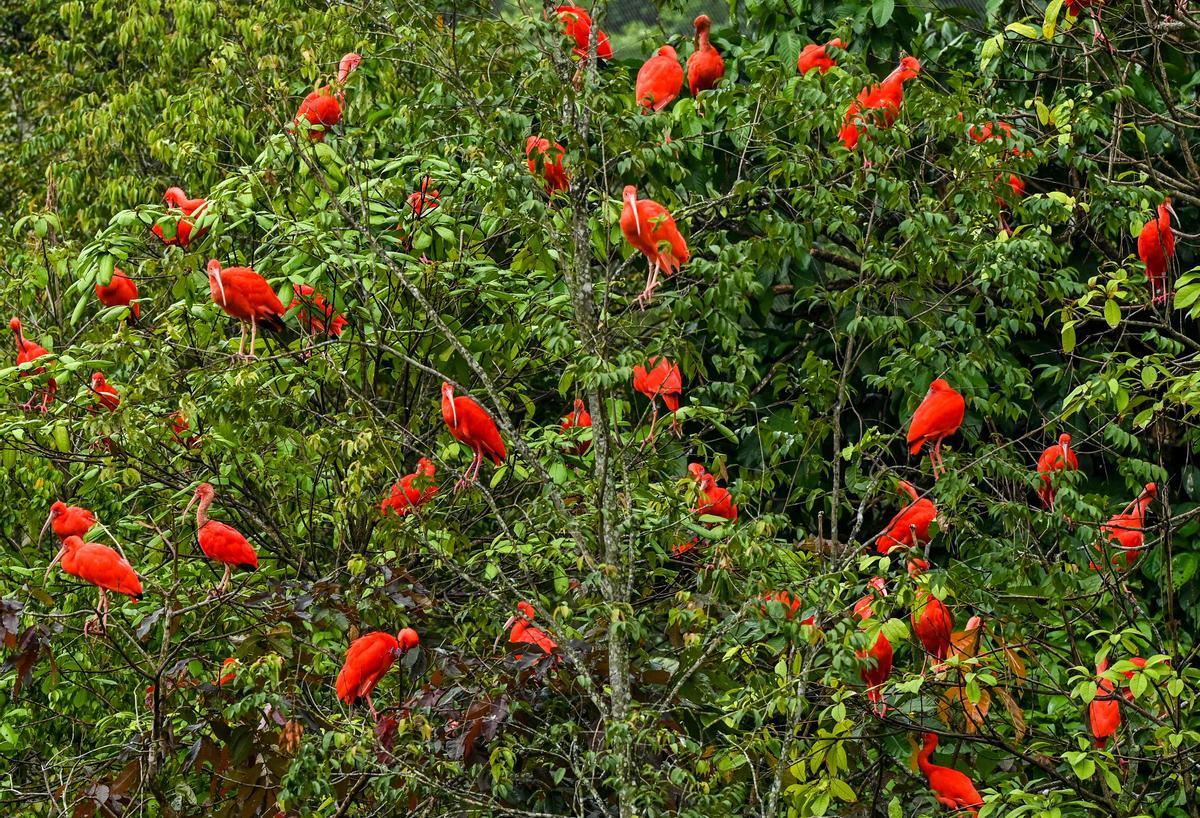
101,566
548,161
226,545
321,107
1051,462
652,231
876,668
246,296
950,787
915,517
661,380
121,291
877,105
314,313
106,395
577,24
524,632
705,67
367,660
70,521
816,56
579,418
659,80
1125,533
407,495
939,415
1156,248
933,625
1104,711
714,500
470,423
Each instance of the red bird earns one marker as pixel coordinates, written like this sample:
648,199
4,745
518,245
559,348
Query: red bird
659,80
470,423
661,381
102,567
322,109
121,291
705,67
580,418
245,295
1124,531
1156,248
950,787
524,633
28,351
817,56
1104,712
878,105
179,428
314,313
933,625
1140,664
939,416
228,672
367,660
910,527
1058,458
864,608
649,227
192,209
219,541
423,200
548,161
106,395
877,667
791,604
413,490
712,500
68,521
577,24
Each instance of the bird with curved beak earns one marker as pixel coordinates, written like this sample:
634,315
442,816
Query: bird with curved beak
101,566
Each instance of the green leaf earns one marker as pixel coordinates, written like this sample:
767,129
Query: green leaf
1025,30
881,11
1050,21
1112,313
104,276
841,790
1068,337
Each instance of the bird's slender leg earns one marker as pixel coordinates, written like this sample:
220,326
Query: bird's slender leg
371,705
242,341
933,463
937,449
225,579
477,464
649,441
253,335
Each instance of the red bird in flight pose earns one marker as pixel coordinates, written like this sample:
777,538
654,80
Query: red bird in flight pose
192,209
933,625
649,227
367,660
1156,248
548,161
102,567
219,541
245,295
910,527
106,395
817,57
577,24
939,416
579,418
524,633
878,105
413,490
470,423
1058,458
659,80
314,313
950,787
68,521
322,109
121,291
705,67
1124,531
662,380
28,351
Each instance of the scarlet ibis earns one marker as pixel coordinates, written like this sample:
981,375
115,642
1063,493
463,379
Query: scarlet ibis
1057,458
933,625
939,416
322,109
910,527
192,209
106,394
121,291
577,24
864,608
1139,664
470,423
791,604
525,633
28,351
649,227
413,490
179,429
314,313
950,787
68,521
1156,248
546,160
878,105
875,670
713,500
101,566
1124,531
705,67
220,542
579,418
817,57
1104,711
659,80
662,380
245,295
424,201
367,660
228,672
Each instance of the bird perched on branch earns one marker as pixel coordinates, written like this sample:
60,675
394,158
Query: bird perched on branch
101,566
650,229
816,57
368,659
121,291
470,423
1058,458
661,380
220,542
192,210
68,521
1156,248
1124,532
705,67
950,787
659,80
910,527
245,295
27,352
413,490
939,416
877,106
322,109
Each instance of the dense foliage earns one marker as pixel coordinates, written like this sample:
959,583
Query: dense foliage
826,289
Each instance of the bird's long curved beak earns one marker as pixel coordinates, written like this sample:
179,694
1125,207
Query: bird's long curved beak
191,503
54,562
512,620
1174,215
220,286
453,407
1066,451
42,533
631,200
